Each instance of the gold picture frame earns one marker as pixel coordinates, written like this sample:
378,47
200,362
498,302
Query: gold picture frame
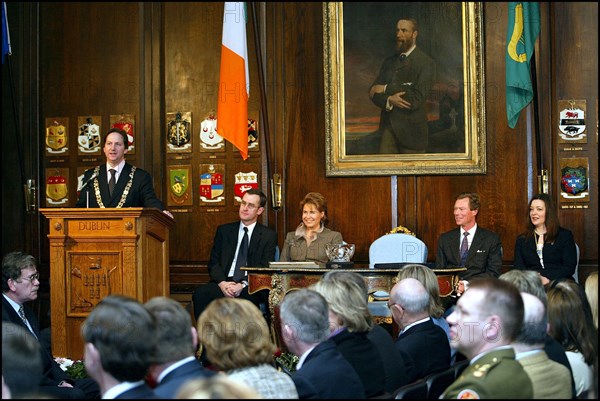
452,34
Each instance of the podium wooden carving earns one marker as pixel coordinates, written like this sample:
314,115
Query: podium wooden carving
97,252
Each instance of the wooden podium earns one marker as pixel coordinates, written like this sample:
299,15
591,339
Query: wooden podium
97,252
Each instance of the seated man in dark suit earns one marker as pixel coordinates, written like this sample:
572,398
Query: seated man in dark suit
322,372
231,251
175,360
468,245
20,284
424,345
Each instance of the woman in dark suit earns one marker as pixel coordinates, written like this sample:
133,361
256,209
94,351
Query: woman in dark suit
545,246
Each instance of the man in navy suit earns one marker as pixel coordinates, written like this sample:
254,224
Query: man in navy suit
20,284
132,186
482,254
423,344
175,361
322,372
222,265
120,341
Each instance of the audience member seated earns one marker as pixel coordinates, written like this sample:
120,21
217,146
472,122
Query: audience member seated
571,324
237,341
307,243
175,359
548,378
591,292
393,362
119,338
20,284
530,282
219,387
436,310
545,246
423,344
484,324
21,362
322,371
349,324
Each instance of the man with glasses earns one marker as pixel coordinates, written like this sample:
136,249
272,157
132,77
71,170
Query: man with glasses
20,284
245,239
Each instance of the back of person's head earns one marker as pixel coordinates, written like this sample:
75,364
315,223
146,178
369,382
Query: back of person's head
12,264
218,387
527,281
501,299
412,295
570,318
429,280
123,332
591,292
474,202
235,334
261,195
318,201
306,312
535,321
21,361
347,300
174,331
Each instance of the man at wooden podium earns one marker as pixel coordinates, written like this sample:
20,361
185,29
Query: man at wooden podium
118,184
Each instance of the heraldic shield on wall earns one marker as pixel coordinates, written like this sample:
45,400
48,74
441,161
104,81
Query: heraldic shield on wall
571,126
244,181
57,187
57,136
179,132
88,139
180,184
574,183
210,141
212,184
126,122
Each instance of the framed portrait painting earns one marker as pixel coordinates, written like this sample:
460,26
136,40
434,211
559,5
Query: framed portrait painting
404,88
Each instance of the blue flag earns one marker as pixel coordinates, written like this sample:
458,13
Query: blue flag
5,34
523,30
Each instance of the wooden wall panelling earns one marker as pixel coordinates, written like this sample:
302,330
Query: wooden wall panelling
575,50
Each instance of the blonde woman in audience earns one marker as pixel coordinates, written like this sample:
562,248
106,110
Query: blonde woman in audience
349,324
218,387
237,341
571,324
591,292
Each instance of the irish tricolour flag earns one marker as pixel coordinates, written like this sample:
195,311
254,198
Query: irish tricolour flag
234,83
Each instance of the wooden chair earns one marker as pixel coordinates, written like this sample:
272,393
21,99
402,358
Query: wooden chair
412,391
438,382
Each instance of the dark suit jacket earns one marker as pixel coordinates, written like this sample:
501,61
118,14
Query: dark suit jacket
171,383
393,361
364,358
425,348
484,258
415,76
560,257
261,249
141,193
52,373
140,392
327,374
